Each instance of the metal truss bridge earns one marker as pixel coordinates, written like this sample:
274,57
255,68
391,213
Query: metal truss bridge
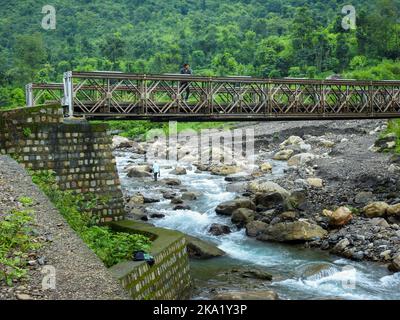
114,95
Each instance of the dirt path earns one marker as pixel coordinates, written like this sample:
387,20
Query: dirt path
79,273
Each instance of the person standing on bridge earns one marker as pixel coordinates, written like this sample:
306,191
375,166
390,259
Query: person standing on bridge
156,170
185,84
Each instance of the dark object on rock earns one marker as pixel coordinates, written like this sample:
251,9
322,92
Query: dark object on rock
143,256
217,229
150,200
181,207
157,215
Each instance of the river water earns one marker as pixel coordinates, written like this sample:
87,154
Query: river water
298,272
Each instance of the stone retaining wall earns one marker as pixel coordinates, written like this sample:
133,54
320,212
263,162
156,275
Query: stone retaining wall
78,152
168,278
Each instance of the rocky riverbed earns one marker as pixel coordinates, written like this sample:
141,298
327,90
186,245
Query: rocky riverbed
315,186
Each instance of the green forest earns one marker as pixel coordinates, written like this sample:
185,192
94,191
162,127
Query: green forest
263,38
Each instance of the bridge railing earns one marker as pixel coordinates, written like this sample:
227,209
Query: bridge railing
108,94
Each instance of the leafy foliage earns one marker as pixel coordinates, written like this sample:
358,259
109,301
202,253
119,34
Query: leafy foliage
110,247
16,243
272,38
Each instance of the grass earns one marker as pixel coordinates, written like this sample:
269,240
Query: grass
111,247
394,127
16,243
139,128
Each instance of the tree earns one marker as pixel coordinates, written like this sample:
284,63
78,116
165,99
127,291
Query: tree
113,47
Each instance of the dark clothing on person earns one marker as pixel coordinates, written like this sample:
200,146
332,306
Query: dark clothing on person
185,84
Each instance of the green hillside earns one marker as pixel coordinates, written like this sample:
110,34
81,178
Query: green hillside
268,38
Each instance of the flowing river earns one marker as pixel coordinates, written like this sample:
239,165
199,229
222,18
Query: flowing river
291,265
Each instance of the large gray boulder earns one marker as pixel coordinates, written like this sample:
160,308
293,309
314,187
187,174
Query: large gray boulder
255,228
228,207
242,216
200,249
301,230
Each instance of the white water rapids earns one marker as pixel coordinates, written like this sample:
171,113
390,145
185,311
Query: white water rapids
289,264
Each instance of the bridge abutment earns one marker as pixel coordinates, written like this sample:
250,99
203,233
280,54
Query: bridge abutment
79,153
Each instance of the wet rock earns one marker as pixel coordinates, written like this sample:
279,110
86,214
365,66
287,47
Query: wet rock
240,178
189,196
341,246
266,167
301,159
135,199
339,217
375,209
255,228
138,214
176,200
171,182
267,187
150,200
138,172
225,170
217,229
201,249
181,207
119,142
253,273
178,171
247,295
167,194
269,200
228,207
363,197
301,230
395,265
315,182
283,154
242,216
157,216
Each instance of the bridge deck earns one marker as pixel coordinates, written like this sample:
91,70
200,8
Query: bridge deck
161,97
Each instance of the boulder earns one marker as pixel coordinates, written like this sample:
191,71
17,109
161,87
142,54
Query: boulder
301,159
339,217
167,194
341,246
267,187
363,197
375,209
217,229
176,200
394,210
181,207
283,154
138,214
189,196
242,216
135,199
266,167
292,140
315,182
395,265
381,222
247,295
301,230
201,249
157,215
269,200
225,170
178,171
326,143
255,228
228,207
138,172
150,200
119,142
171,182
386,142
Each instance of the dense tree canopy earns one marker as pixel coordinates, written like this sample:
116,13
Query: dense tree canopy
266,38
